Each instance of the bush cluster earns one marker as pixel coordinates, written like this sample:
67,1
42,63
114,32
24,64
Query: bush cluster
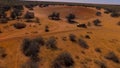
54,16
51,43
115,14
29,15
30,48
64,60
97,22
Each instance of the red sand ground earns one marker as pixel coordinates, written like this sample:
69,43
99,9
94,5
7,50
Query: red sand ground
106,37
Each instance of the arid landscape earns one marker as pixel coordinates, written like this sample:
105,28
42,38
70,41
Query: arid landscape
59,36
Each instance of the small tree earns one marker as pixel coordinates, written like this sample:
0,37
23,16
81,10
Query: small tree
70,18
64,60
51,43
30,48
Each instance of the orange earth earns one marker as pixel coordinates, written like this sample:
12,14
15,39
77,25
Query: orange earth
107,37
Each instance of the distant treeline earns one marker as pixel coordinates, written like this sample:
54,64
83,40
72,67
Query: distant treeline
22,2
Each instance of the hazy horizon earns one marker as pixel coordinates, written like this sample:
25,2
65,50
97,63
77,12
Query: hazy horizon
86,1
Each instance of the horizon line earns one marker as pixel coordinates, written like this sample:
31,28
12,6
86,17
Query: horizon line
74,2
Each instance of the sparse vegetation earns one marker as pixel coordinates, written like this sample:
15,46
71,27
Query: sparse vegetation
29,20
20,7
51,43
2,14
98,8
82,25
5,8
115,14
113,57
15,13
29,15
64,60
43,5
107,12
30,6
83,43
3,20
54,16
59,35
31,48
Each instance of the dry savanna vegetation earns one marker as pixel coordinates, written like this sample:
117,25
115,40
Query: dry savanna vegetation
59,36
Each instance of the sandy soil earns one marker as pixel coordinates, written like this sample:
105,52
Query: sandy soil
107,37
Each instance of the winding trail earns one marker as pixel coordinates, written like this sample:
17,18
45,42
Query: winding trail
13,36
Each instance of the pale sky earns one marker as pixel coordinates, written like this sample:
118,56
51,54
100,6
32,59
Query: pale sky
88,1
